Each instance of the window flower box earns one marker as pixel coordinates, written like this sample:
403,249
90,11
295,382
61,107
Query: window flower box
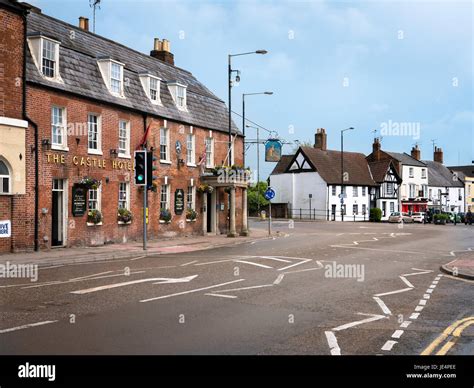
165,216
94,217
124,216
191,215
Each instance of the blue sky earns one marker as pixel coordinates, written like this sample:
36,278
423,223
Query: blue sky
331,64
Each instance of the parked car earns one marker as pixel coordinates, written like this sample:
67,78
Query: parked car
418,217
400,217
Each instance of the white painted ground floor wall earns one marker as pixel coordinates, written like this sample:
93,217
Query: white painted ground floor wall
389,205
454,201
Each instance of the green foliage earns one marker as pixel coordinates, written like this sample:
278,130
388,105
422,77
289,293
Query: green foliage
255,193
124,215
440,218
375,214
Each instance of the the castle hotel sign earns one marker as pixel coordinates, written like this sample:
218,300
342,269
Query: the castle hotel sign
87,161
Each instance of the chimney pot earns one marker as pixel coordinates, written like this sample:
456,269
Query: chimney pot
166,45
438,155
162,52
376,149
84,23
416,153
158,46
320,139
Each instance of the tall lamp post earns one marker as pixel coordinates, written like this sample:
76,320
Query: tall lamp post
342,170
258,165
230,71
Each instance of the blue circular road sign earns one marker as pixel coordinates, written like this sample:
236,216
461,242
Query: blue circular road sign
269,194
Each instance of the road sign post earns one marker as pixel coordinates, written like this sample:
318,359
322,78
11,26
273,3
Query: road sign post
269,195
140,166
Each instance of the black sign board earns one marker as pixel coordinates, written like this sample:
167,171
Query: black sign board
178,201
78,200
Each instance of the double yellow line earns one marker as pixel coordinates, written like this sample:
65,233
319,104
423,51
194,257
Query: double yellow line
451,335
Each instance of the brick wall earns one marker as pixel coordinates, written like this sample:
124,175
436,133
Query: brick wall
39,103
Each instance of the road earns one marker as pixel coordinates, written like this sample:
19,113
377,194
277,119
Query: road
319,288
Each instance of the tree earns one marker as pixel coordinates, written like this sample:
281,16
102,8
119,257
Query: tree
255,193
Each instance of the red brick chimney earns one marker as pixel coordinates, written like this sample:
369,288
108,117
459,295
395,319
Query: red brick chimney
416,153
376,149
84,23
438,155
320,139
162,52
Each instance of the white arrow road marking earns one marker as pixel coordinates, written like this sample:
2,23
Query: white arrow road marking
115,285
251,263
25,326
190,291
222,296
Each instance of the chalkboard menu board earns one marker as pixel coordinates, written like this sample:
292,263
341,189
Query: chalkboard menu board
78,200
178,201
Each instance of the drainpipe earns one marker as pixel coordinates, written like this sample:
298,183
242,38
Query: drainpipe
35,127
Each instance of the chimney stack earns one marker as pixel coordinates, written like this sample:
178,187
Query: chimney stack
376,149
320,139
161,51
438,155
84,23
415,152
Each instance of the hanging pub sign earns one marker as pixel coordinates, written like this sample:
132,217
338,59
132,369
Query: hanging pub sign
78,200
178,201
273,150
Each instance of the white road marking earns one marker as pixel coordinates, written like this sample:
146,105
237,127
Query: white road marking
397,333
332,342
190,291
375,249
430,290
191,262
435,282
245,288
25,326
422,302
419,308
405,324
215,262
432,286
426,296
424,270
388,345
251,263
53,266
404,279
138,258
294,265
279,279
93,275
394,292
115,285
373,317
272,258
414,316
222,296
382,305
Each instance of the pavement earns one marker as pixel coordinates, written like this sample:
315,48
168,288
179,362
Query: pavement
322,288
462,268
58,256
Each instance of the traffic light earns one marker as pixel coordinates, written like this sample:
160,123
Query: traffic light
150,161
140,167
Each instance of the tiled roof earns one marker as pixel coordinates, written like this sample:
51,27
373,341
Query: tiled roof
379,169
466,170
405,159
80,72
440,176
328,165
282,165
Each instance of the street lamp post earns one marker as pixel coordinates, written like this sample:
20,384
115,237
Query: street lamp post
258,165
229,76
342,170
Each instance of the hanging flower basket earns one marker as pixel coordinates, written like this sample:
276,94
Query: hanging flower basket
154,186
205,188
89,183
94,217
191,215
124,216
165,216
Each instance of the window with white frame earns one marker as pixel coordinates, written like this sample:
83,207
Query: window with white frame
48,65
190,204
355,191
190,153
333,190
424,189
164,145
390,188
58,128
124,195
181,96
94,133
392,207
412,191
423,173
411,172
209,142
165,197
124,138
364,191
5,179
364,209
93,202
154,89
116,77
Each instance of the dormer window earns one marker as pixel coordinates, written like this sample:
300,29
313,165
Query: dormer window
151,85
112,74
178,92
45,53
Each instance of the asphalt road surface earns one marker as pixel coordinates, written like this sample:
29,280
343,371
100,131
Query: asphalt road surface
318,288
